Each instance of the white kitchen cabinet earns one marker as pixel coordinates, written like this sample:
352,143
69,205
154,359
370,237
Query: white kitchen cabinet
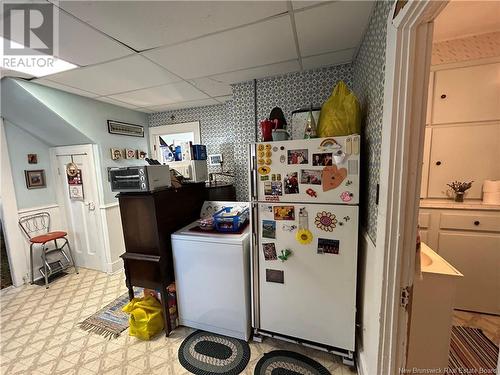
425,162
477,256
463,153
466,94
469,239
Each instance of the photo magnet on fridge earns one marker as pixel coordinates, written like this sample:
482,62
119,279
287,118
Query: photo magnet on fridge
310,176
322,160
284,212
327,246
275,276
298,156
291,183
268,229
269,251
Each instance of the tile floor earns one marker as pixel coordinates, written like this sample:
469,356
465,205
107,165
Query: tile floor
38,334
489,324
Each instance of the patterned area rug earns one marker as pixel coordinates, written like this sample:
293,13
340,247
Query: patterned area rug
284,362
204,353
471,352
109,321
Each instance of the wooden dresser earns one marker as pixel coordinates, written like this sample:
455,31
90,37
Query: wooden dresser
148,220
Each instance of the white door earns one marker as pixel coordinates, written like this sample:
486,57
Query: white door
312,294
82,215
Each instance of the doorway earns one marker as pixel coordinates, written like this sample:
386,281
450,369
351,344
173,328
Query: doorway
162,138
5,276
77,192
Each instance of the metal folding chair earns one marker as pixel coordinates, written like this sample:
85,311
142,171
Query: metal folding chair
37,229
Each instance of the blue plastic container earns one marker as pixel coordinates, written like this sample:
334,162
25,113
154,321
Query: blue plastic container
226,223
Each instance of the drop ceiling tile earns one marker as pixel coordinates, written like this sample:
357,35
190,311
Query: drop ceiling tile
58,86
82,45
187,104
116,102
129,73
13,73
161,95
332,58
254,45
143,25
302,4
212,86
335,26
258,72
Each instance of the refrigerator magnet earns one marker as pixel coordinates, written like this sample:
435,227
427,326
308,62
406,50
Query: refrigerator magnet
289,228
264,169
328,246
312,193
329,144
310,176
275,276
268,229
298,156
325,221
269,250
285,254
304,236
322,160
264,178
284,212
346,196
291,183
332,177
268,188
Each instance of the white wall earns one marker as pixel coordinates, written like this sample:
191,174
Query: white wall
369,303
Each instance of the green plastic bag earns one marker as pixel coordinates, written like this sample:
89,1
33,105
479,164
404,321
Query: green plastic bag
146,317
341,114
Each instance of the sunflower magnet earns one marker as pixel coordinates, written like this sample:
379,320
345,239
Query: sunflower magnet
304,235
325,221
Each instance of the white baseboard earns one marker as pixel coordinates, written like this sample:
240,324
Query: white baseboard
116,266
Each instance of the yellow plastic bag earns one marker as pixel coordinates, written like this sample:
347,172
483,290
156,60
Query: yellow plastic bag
341,114
146,317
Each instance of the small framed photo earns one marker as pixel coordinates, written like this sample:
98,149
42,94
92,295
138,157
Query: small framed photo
35,179
32,159
130,153
116,153
214,160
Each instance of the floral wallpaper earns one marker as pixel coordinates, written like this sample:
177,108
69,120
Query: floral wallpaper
229,128
470,48
368,84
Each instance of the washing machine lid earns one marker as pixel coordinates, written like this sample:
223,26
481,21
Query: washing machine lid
186,234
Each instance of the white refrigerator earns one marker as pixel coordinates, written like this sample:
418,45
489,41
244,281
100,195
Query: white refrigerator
305,196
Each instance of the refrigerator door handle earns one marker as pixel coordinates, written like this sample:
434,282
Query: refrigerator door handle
253,173
254,268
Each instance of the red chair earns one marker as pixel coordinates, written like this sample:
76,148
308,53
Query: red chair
37,229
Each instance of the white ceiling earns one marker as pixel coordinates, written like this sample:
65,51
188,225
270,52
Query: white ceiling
158,55
465,18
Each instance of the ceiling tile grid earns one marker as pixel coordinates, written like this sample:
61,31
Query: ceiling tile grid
167,55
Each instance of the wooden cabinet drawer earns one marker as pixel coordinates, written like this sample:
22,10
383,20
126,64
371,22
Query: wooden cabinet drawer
482,222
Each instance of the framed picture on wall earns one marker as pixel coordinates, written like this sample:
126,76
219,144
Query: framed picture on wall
35,179
123,128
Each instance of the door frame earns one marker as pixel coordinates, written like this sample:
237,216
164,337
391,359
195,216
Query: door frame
96,184
408,55
183,127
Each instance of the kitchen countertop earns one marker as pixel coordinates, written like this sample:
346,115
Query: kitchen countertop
438,265
468,204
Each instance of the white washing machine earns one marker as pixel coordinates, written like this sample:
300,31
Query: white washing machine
212,272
